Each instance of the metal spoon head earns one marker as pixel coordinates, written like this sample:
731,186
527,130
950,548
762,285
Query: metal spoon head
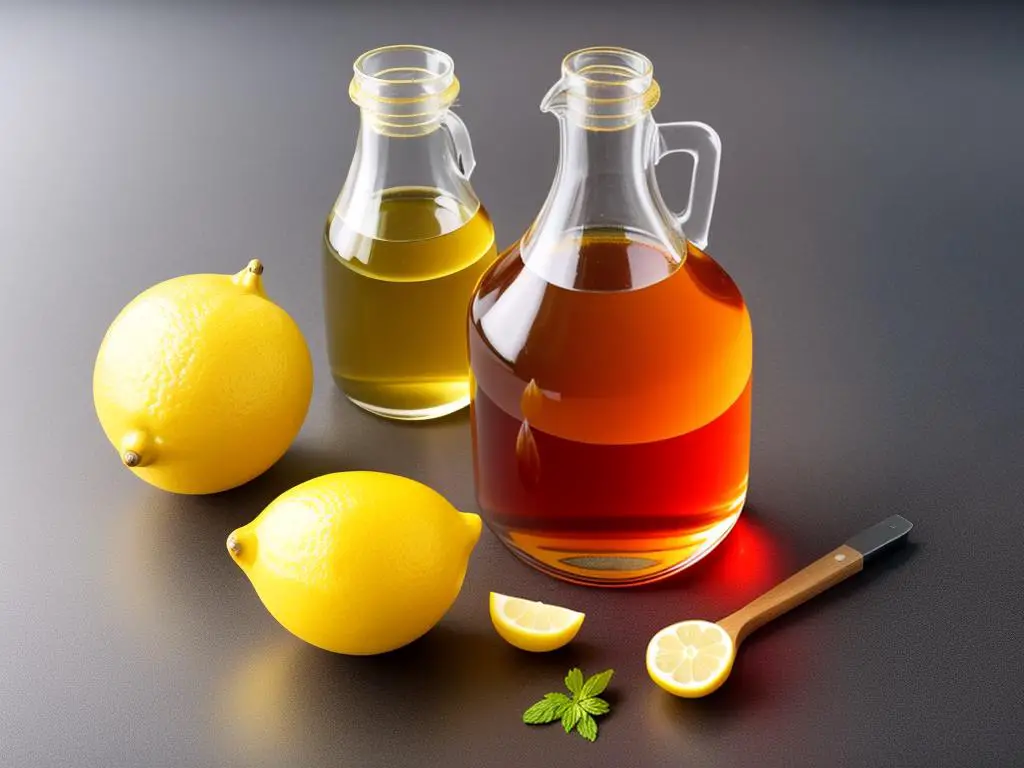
691,658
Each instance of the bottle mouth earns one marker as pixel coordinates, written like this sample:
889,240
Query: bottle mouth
605,87
404,86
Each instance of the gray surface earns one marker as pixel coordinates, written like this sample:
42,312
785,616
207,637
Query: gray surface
870,207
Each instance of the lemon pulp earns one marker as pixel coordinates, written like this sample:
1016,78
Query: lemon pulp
691,658
533,626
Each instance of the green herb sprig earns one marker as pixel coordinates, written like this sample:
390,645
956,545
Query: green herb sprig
578,711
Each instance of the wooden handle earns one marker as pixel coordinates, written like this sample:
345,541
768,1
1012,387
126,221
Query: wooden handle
833,568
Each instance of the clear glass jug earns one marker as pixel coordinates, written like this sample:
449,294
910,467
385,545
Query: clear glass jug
611,356
406,241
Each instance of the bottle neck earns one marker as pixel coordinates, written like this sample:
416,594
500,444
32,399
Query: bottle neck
384,158
610,167
605,181
386,162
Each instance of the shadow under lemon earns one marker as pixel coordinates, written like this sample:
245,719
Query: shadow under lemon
169,568
291,700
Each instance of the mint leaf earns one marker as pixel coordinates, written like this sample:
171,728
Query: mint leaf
547,710
571,716
541,713
596,684
574,680
576,712
595,706
559,698
587,727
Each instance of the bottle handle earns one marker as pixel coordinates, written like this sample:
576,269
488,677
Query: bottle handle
702,143
460,140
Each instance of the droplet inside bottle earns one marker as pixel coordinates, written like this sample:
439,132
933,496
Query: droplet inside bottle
527,457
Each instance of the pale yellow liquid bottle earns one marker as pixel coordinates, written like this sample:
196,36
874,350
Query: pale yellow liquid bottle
406,242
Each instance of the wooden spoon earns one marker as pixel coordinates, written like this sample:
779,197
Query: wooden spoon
693,658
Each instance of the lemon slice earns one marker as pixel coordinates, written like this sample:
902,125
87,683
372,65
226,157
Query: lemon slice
533,626
691,658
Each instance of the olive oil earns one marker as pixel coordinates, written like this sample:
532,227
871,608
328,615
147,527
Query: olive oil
396,298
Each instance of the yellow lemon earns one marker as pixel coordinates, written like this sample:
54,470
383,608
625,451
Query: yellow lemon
202,382
357,562
691,658
533,626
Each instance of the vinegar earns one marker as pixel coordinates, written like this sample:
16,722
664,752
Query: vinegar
611,416
395,302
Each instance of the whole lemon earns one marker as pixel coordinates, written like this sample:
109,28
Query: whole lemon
357,562
202,382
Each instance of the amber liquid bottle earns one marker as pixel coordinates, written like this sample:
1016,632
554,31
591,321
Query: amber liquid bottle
611,356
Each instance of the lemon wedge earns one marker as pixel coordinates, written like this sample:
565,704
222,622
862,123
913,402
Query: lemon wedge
691,658
533,626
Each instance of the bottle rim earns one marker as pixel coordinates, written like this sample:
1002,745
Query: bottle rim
404,74
608,86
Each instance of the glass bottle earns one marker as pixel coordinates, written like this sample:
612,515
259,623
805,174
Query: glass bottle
611,356
405,242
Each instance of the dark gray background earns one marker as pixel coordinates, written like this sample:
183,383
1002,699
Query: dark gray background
870,207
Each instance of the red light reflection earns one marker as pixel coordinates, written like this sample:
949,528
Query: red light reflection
750,561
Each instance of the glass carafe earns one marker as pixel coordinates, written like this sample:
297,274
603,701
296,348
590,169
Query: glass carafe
611,356
406,241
